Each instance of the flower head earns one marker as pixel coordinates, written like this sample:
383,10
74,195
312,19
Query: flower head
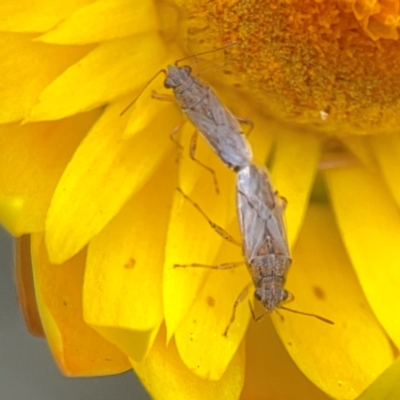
96,190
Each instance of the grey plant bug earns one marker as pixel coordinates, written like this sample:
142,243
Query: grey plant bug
219,127
260,213
265,248
266,253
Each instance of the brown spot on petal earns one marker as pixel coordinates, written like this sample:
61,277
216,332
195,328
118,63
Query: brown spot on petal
130,263
319,293
210,301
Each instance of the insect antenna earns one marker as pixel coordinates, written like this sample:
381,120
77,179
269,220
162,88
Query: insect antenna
206,52
140,93
328,321
253,314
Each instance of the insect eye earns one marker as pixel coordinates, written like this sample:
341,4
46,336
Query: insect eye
287,297
258,294
168,84
187,70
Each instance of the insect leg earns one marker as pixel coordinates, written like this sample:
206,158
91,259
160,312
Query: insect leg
222,232
163,96
193,145
239,300
280,315
246,122
207,52
283,200
214,68
228,265
174,132
253,314
143,89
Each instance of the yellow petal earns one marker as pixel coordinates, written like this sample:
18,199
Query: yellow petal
110,70
77,348
369,222
200,337
386,386
26,68
123,278
293,173
270,372
32,160
25,286
341,359
387,151
166,377
35,16
103,173
10,209
192,240
359,146
261,138
104,20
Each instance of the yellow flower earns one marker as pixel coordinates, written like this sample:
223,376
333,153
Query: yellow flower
95,191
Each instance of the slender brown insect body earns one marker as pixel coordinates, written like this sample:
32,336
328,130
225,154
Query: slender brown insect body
211,118
219,127
265,248
260,212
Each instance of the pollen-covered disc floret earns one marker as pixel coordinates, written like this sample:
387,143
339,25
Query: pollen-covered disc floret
380,19
328,64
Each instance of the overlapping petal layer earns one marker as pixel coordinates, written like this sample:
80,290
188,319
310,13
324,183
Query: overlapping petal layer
200,338
104,20
386,386
110,70
124,268
25,286
334,357
293,174
387,151
33,159
166,377
369,223
37,16
77,348
104,172
270,372
27,68
191,240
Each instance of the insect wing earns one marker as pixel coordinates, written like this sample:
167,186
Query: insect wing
252,228
220,129
276,225
279,214
260,216
230,132
221,115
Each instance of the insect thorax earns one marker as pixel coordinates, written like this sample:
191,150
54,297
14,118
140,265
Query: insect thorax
271,293
192,95
269,266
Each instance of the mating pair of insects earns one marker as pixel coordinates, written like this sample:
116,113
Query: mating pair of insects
260,209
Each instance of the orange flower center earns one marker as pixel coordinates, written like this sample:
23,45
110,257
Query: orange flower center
332,65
